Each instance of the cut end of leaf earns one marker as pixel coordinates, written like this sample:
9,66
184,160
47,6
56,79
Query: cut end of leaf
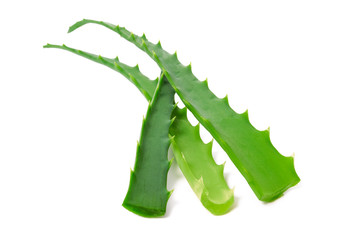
273,196
219,206
144,212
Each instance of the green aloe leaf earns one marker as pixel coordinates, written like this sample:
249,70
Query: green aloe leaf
147,195
133,74
268,173
196,162
194,158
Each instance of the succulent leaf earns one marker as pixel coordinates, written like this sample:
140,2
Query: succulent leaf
192,155
198,166
147,195
268,173
133,74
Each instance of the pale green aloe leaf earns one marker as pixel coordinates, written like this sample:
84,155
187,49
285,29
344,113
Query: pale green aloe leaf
194,158
147,195
198,166
268,173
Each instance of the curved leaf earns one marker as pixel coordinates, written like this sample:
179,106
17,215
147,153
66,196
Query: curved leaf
268,173
205,177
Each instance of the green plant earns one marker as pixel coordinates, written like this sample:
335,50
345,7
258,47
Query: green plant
147,194
268,173
193,156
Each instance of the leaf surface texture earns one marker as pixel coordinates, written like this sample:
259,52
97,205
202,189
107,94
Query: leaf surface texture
147,195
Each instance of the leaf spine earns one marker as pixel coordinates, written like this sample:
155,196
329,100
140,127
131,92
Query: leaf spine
210,144
136,67
169,193
172,120
175,105
226,99
170,162
205,83
101,58
117,28
267,131
132,36
197,130
220,168
175,55
189,67
245,114
171,138
143,121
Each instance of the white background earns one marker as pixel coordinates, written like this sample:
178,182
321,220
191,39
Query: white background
68,126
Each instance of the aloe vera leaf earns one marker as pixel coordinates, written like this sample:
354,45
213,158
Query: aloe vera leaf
133,74
198,166
268,173
147,195
194,158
